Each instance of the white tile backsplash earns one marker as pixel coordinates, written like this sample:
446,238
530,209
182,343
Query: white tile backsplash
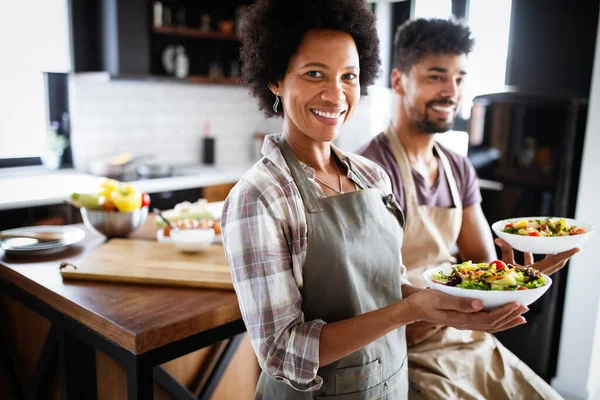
166,120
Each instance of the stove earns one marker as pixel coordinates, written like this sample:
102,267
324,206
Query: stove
141,172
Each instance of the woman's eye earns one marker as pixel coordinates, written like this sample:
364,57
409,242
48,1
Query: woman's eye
350,76
314,74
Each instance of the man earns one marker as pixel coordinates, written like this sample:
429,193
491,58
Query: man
439,192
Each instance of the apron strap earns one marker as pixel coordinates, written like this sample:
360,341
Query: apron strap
449,176
410,191
309,197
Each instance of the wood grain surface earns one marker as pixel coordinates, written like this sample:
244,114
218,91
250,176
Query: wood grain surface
137,317
149,262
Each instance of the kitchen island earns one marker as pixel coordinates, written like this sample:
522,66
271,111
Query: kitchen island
96,332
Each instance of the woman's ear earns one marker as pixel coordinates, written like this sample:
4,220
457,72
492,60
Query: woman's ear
397,81
274,88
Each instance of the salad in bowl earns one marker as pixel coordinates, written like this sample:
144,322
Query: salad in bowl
543,235
495,284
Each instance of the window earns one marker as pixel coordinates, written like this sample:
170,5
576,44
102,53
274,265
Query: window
23,122
490,24
28,55
432,9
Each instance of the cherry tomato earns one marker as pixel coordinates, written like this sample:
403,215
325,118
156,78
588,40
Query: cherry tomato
535,233
145,199
499,264
522,288
509,225
577,231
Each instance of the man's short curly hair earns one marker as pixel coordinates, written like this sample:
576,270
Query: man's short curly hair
420,37
273,29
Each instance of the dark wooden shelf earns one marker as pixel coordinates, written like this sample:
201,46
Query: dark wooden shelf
208,80
192,32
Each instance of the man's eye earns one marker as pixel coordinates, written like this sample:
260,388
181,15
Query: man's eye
350,76
460,81
314,74
435,78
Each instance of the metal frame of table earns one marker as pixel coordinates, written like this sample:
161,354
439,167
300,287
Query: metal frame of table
77,344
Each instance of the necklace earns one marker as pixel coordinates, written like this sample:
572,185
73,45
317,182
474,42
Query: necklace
341,191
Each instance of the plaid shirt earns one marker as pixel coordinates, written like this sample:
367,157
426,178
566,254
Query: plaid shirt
265,239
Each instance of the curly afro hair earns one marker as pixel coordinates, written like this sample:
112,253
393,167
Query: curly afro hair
273,29
420,37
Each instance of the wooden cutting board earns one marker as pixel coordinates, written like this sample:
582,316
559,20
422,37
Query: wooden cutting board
153,263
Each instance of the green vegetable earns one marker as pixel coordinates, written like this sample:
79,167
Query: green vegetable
85,200
473,285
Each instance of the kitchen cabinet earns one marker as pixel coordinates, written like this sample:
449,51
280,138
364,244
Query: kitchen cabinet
111,36
141,39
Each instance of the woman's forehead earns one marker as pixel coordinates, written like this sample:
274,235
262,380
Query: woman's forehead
330,48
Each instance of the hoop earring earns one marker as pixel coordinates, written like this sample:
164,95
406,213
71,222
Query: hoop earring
276,101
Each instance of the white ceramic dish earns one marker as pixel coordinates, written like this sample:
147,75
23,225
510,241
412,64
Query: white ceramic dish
192,240
27,247
491,298
160,237
540,244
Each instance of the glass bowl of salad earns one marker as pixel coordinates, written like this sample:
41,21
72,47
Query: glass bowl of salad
543,235
495,284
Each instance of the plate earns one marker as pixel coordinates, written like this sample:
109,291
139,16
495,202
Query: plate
490,298
24,246
541,244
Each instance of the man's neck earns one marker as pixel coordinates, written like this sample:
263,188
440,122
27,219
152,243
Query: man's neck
417,145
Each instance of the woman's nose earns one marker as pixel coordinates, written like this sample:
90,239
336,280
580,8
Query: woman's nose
333,92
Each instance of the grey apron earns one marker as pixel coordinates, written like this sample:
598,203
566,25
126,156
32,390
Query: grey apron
352,267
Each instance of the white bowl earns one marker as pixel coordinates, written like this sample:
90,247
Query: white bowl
192,240
160,237
491,298
542,244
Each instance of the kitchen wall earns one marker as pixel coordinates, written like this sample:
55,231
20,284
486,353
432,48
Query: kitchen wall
578,360
166,119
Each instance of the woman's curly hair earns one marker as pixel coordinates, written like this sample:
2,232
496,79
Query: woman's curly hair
420,37
273,29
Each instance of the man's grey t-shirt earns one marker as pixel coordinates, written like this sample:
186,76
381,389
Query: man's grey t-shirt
438,195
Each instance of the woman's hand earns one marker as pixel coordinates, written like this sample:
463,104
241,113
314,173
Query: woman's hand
464,313
549,265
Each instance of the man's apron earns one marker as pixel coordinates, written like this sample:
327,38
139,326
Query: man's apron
353,266
447,363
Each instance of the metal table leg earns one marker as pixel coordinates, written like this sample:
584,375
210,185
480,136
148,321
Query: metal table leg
140,380
77,368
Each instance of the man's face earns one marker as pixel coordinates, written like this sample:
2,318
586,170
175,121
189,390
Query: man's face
432,91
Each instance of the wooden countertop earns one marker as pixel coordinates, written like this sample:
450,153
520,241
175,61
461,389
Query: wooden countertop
137,317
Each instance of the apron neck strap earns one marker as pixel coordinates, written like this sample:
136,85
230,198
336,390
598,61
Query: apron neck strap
449,176
309,197
403,166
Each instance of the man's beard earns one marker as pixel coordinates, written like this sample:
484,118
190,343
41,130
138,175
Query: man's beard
428,126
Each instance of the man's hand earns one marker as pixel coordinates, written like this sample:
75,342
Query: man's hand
464,313
549,265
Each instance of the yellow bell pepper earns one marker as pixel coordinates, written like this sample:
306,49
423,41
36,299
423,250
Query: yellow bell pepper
108,186
126,198
521,224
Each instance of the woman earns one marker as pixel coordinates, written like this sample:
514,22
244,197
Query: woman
313,234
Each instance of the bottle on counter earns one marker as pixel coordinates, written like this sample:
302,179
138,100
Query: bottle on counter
157,14
205,22
166,16
182,64
180,17
208,146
